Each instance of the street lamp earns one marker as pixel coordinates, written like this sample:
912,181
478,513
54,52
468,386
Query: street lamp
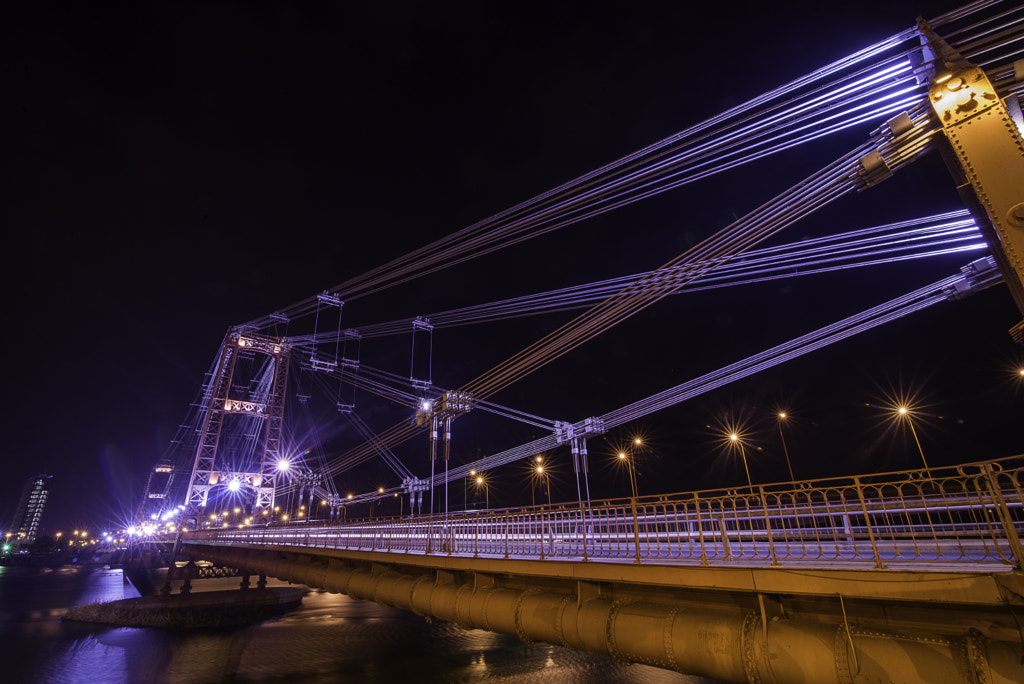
465,496
545,477
380,490
623,456
735,438
482,482
782,419
538,469
903,413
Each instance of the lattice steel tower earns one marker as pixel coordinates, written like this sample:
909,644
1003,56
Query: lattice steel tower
242,425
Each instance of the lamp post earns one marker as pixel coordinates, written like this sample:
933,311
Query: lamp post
482,482
782,419
538,468
547,481
628,458
735,438
903,413
465,496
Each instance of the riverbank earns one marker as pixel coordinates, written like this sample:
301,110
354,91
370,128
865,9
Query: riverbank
211,609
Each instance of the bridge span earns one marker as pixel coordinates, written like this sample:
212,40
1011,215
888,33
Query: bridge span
904,577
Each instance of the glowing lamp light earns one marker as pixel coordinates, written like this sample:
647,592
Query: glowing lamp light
426,405
283,465
734,437
234,485
902,410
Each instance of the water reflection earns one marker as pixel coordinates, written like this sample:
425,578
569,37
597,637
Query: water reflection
331,638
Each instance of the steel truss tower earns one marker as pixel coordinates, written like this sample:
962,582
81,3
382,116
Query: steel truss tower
237,408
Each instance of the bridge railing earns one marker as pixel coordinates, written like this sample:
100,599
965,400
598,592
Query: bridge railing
971,514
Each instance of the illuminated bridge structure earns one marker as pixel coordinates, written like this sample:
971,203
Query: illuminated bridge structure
912,576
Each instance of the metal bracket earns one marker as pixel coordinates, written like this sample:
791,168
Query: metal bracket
977,276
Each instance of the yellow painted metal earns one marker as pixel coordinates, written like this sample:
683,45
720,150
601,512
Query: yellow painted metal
728,635
990,151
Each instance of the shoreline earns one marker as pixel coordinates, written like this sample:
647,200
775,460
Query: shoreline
200,610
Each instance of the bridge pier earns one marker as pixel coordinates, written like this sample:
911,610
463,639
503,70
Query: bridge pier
733,638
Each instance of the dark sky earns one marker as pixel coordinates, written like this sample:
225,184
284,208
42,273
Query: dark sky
173,169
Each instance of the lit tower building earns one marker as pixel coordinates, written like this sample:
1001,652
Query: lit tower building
30,507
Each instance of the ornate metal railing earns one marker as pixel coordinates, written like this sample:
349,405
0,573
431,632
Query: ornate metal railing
967,515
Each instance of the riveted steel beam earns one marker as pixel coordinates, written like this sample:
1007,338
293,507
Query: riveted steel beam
988,155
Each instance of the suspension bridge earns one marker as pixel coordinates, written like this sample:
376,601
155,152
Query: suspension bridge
905,576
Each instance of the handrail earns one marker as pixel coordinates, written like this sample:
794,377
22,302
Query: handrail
970,514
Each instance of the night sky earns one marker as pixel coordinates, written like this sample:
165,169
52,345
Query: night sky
175,169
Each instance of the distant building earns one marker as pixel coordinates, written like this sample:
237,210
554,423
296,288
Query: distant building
30,507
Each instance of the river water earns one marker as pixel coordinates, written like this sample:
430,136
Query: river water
330,638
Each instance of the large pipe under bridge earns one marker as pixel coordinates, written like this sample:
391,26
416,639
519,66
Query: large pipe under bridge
906,577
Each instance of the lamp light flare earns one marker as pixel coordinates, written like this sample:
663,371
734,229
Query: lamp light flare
283,465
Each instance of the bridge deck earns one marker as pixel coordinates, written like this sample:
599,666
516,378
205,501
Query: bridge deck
967,522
